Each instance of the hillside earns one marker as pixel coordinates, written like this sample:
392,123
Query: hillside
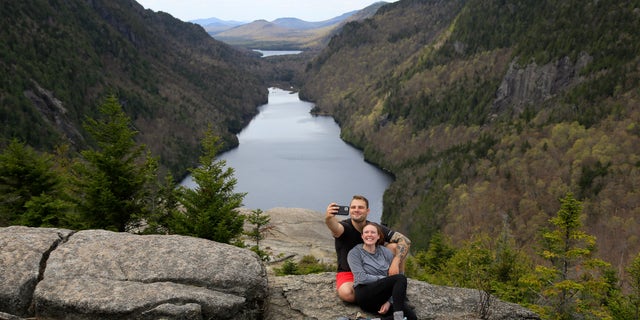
288,33
58,60
487,114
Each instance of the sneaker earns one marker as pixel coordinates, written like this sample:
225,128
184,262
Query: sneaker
398,315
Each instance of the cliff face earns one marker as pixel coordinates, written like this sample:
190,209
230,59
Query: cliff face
96,274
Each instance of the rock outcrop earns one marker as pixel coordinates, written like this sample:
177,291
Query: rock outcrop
313,297
533,84
96,274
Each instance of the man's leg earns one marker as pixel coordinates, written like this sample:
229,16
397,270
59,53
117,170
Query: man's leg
346,292
344,286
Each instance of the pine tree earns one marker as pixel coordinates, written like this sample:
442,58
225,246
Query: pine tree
634,296
31,190
210,208
112,180
260,225
573,285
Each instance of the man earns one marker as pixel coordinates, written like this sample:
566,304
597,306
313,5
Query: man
348,233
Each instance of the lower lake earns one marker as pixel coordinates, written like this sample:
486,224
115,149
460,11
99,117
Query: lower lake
289,158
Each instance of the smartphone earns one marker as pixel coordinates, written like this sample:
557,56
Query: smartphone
343,210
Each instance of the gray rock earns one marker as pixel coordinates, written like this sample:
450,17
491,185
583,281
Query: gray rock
100,274
533,84
96,274
313,297
23,255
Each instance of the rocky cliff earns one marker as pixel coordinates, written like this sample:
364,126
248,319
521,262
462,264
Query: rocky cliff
97,274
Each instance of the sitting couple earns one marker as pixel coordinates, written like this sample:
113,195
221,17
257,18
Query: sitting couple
369,273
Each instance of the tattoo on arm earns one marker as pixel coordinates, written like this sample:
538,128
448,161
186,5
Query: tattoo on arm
402,244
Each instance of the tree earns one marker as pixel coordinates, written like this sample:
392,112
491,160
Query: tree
634,297
574,284
428,265
210,208
31,190
112,180
260,222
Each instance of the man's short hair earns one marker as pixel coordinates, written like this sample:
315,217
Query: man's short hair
359,197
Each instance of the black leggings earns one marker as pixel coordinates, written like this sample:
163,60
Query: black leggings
370,297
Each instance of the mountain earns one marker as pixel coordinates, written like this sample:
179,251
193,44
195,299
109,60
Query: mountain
488,113
60,59
215,25
289,33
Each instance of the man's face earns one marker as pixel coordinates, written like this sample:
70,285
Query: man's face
358,210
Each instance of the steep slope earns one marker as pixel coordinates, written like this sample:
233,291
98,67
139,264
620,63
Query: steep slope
487,113
58,59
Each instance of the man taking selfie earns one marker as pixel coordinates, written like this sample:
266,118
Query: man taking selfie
347,233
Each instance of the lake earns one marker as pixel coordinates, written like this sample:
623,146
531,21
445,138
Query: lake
268,53
289,158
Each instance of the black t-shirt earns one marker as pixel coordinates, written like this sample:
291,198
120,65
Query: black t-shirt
349,239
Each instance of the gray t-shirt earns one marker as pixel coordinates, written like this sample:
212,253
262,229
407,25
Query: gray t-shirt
369,267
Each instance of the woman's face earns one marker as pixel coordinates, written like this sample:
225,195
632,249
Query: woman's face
370,235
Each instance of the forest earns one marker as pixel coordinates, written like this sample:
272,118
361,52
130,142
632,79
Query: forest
487,105
512,128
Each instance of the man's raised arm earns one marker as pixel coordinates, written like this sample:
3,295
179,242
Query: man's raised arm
332,222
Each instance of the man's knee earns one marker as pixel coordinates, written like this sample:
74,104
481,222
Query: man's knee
346,292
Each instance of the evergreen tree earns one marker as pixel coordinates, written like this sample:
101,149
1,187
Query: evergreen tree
210,208
634,280
428,265
260,225
112,180
31,190
164,202
573,285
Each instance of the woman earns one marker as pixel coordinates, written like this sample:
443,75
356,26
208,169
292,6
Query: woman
375,290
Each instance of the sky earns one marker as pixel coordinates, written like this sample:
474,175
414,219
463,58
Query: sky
251,10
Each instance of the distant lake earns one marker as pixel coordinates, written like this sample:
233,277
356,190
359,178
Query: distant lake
267,53
290,158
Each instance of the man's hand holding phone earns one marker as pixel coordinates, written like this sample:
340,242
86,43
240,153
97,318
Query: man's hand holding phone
342,210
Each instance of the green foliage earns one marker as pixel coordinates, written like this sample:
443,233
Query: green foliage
56,59
634,280
307,265
31,188
288,268
430,265
589,184
112,181
260,225
574,284
210,208
163,199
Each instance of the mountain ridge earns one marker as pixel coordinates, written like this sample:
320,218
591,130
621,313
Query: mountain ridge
287,33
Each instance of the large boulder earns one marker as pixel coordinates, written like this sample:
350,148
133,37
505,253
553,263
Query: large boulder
100,274
97,274
23,255
313,297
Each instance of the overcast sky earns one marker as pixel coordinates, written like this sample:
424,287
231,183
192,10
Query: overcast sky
251,10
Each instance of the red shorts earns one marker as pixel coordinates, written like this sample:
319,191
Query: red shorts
342,277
